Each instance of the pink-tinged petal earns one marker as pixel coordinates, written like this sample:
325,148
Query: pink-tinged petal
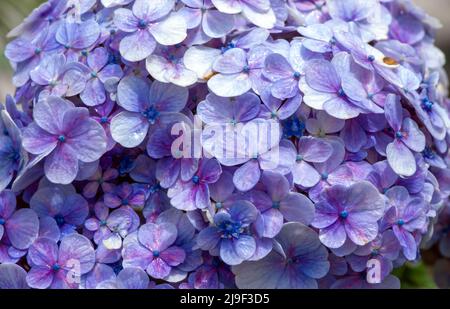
393,111
158,269
202,199
61,166
192,15
40,277
415,139
157,237
273,221
137,46
333,236
43,253
49,113
184,200
247,176
135,255
76,251
75,209
277,185
401,159
90,189
173,256
361,232
167,171
37,141
217,24
129,129
314,149
297,207
22,228
7,203
209,170
169,31
321,76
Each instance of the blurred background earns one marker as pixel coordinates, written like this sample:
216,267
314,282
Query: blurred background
418,275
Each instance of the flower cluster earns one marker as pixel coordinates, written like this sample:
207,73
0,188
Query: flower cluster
222,144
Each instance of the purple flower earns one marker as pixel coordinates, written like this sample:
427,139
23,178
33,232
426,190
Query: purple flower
279,204
110,228
145,105
404,215
384,248
77,36
59,267
132,278
12,156
350,212
309,150
98,72
206,22
67,208
66,136
166,65
21,227
146,25
194,193
238,71
259,12
407,137
229,237
125,195
12,276
100,179
327,86
152,249
297,263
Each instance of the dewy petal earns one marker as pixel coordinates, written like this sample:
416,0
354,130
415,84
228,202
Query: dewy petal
12,276
401,159
137,46
305,175
129,129
169,31
40,277
158,269
44,253
231,62
76,252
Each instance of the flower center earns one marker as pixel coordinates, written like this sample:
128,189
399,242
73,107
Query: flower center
125,202
62,138
195,179
142,24
341,92
374,252
297,75
371,58
343,214
156,253
246,69
56,267
427,105
231,229
103,222
276,205
299,158
400,222
59,220
37,51
324,176
94,74
2,221
428,153
151,114
398,135
219,205
104,119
